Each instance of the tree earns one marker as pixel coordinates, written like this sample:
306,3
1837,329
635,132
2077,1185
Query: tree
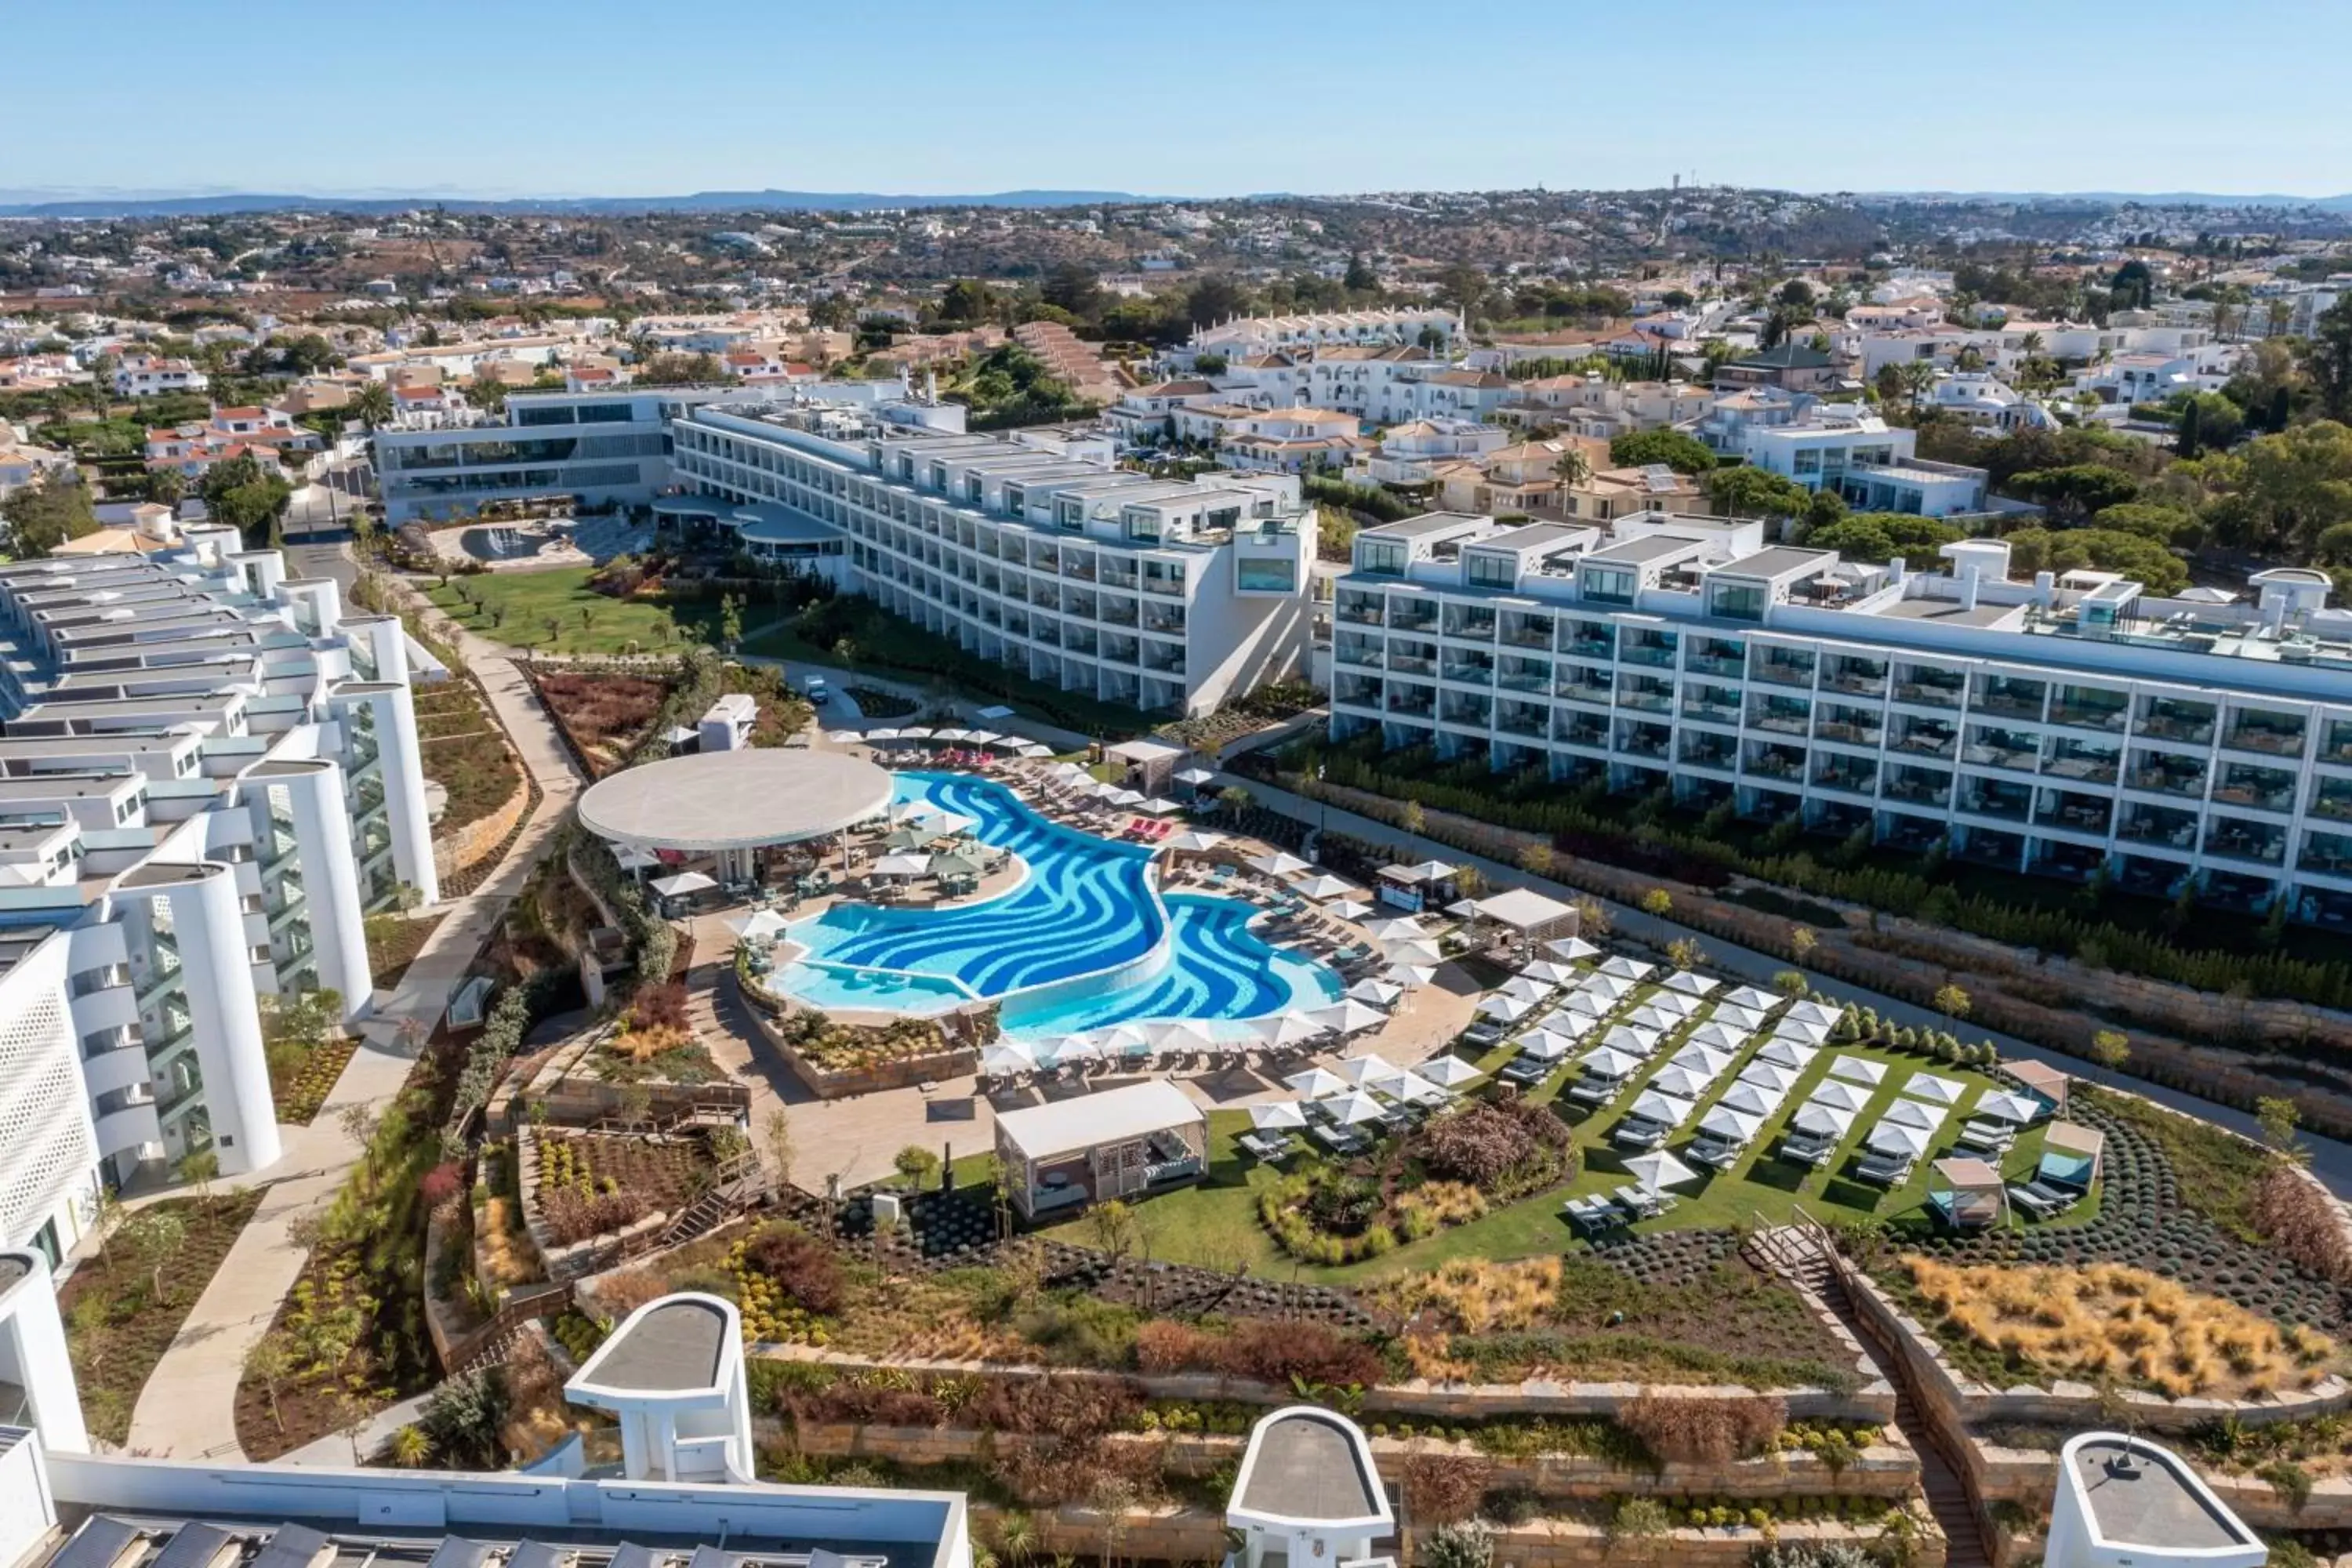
914,1165
2111,1048
43,516
1684,952
967,301
1802,943
1952,1001
200,1171
2077,489
1360,278
1210,300
1115,1228
777,1133
1797,294
1750,492
1683,453
730,620
1881,536
408,1447
1790,982
2278,1116
2034,550
1073,287
2327,359
1914,376
156,1234
371,403
270,1360
680,370
2284,491
1536,859
1659,902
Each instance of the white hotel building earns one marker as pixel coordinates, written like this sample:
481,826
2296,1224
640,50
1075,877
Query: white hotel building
208,775
2052,726
1031,550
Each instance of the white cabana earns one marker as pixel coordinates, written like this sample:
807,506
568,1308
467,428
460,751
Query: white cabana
1316,1083
1786,1053
1749,1100
1665,1108
1611,1064
1196,777
1836,1092
1348,1016
1659,1169
681,885
1007,1057
1683,1083
760,925
1721,1036
1932,1089
1858,1069
1915,1113
1527,912
1544,1045
1731,1124
1898,1140
1353,1107
1095,1147
1287,1029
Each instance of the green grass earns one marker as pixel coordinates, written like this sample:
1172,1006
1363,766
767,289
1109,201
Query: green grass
515,608
1214,1222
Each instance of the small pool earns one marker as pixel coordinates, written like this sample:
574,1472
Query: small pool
1086,908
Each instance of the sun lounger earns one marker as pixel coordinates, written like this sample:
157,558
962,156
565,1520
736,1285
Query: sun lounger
1640,1132
2042,1200
1593,1090
1882,1170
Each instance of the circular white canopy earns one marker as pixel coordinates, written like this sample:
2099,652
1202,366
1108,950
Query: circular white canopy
734,800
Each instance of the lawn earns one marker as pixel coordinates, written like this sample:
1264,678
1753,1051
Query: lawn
1215,1222
555,611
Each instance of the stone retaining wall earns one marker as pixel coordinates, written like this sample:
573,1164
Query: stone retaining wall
1468,1402
2030,1477
829,1083
463,849
1194,1535
1887,1469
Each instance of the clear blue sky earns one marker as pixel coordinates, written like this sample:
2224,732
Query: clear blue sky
1197,97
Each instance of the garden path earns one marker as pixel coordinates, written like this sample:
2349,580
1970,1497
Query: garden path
188,1407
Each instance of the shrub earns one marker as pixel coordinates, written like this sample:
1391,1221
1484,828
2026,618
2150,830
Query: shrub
803,1268
1307,1352
661,1006
1163,1345
1703,1429
2289,1211
572,1214
1463,1544
441,1184
1494,1144
1444,1489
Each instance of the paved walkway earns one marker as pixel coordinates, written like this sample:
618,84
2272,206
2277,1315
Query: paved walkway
187,1409
2331,1160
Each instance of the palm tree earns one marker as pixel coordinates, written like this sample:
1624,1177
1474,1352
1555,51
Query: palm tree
2030,345
1573,468
1917,375
372,404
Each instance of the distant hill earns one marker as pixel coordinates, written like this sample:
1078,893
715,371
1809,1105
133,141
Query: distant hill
22,203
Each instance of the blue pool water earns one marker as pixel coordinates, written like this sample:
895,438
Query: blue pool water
1086,907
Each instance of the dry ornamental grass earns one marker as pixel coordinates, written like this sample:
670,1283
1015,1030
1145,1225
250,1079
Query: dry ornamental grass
2111,1321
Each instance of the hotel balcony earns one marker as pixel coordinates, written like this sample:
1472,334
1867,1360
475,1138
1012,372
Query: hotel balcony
1475,671
1922,692
1781,670
1915,787
2169,718
1703,751
2276,735
2233,840
2074,812
1654,650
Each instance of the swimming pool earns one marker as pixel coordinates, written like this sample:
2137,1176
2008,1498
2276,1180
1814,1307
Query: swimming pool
1080,943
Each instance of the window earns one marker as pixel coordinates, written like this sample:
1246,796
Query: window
1276,575
1490,571
1736,601
1383,557
1606,585
605,414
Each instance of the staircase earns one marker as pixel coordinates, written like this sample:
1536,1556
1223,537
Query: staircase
741,1185
1805,1254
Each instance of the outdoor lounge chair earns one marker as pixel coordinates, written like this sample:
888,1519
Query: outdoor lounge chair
1594,1214
1884,1169
1525,1070
1593,1090
2040,1200
1640,1132
1988,1137
1716,1152
1484,1032
1805,1148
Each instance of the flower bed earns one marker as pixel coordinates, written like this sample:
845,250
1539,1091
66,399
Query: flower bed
605,714
837,1059
123,1308
2108,1321
300,1082
591,1184
874,702
1445,1173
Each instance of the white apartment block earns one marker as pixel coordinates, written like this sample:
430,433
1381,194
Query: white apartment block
2056,726
1379,385
208,776
1030,550
1254,335
145,376
1839,447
